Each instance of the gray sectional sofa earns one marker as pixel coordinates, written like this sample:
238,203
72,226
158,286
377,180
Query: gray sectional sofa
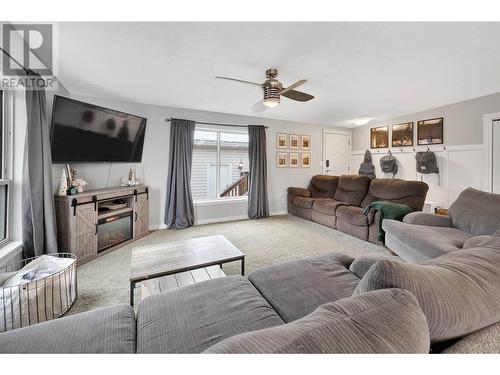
331,303
423,236
339,202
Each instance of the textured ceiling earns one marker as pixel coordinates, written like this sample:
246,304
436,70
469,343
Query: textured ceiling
380,70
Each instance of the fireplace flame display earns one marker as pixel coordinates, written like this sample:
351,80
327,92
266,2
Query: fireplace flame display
113,230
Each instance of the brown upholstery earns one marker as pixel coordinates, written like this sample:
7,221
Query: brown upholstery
299,191
323,186
352,215
327,206
411,193
352,189
303,202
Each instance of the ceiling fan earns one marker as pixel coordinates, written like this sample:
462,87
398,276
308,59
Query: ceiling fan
273,89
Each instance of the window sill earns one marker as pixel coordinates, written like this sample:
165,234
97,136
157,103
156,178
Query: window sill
10,250
221,201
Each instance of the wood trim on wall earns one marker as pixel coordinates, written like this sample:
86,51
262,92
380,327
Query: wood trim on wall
488,120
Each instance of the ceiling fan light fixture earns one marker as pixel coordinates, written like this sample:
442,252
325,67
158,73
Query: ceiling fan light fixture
271,102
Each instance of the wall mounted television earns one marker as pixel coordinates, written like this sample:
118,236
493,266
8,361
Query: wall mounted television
86,133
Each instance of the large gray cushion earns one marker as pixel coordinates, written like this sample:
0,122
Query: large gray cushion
458,292
191,319
388,321
297,288
106,330
476,212
421,242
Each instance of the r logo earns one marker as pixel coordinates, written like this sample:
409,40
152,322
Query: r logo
31,45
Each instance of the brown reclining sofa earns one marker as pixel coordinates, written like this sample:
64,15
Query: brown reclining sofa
339,202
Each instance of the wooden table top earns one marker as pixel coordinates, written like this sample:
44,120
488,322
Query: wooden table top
172,257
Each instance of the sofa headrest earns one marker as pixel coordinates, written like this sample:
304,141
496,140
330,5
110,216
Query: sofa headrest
476,212
411,193
352,189
323,186
385,321
459,292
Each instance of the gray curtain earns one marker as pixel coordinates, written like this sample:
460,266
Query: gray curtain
258,206
39,224
179,211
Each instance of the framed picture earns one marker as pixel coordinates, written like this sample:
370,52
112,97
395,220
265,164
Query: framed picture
379,137
305,142
281,141
281,159
294,141
430,132
294,159
402,134
305,159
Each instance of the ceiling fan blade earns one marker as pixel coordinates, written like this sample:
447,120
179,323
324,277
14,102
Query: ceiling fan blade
291,87
239,80
259,107
298,96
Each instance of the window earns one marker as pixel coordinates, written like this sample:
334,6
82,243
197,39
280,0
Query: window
4,182
220,164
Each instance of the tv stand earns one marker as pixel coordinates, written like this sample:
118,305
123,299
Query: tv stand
95,222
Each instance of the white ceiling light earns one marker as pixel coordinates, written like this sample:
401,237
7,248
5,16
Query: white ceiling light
271,102
362,121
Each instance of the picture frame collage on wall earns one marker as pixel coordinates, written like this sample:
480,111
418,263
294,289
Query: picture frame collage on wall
291,144
429,132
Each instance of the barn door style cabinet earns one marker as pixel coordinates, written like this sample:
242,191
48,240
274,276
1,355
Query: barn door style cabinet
97,221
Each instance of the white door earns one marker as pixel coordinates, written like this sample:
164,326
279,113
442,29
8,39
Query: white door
336,153
496,157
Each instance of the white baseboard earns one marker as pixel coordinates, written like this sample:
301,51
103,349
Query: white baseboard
217,220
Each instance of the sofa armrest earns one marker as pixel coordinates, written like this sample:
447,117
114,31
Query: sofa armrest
299,191
432,220
362,264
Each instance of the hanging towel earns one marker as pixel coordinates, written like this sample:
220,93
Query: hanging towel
388,210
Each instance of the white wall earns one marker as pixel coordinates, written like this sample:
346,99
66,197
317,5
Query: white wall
155,160
460,159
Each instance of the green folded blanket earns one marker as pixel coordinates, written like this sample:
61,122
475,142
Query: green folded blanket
388,210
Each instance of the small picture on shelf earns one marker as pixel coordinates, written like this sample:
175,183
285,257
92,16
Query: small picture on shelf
281,159
402,134
294,159
305,142
305,159
379,137
294,141
430,132
281,141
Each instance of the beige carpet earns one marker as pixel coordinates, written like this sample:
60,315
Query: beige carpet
277,239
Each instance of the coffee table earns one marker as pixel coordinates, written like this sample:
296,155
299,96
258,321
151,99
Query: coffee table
148,262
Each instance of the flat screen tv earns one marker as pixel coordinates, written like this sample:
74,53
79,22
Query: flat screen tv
86,133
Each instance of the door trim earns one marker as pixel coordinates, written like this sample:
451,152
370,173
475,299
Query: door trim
349,150
488,120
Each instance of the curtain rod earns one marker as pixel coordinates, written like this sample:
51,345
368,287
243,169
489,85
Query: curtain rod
217,124
13,59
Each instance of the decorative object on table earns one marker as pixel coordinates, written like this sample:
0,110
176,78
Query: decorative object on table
294,159
427,163
63,183
281,141
281,159
131,179
305,142
75,184
402,134
305,159
441,211
379,137
294,141
389,164
430,132
43,289
366,168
